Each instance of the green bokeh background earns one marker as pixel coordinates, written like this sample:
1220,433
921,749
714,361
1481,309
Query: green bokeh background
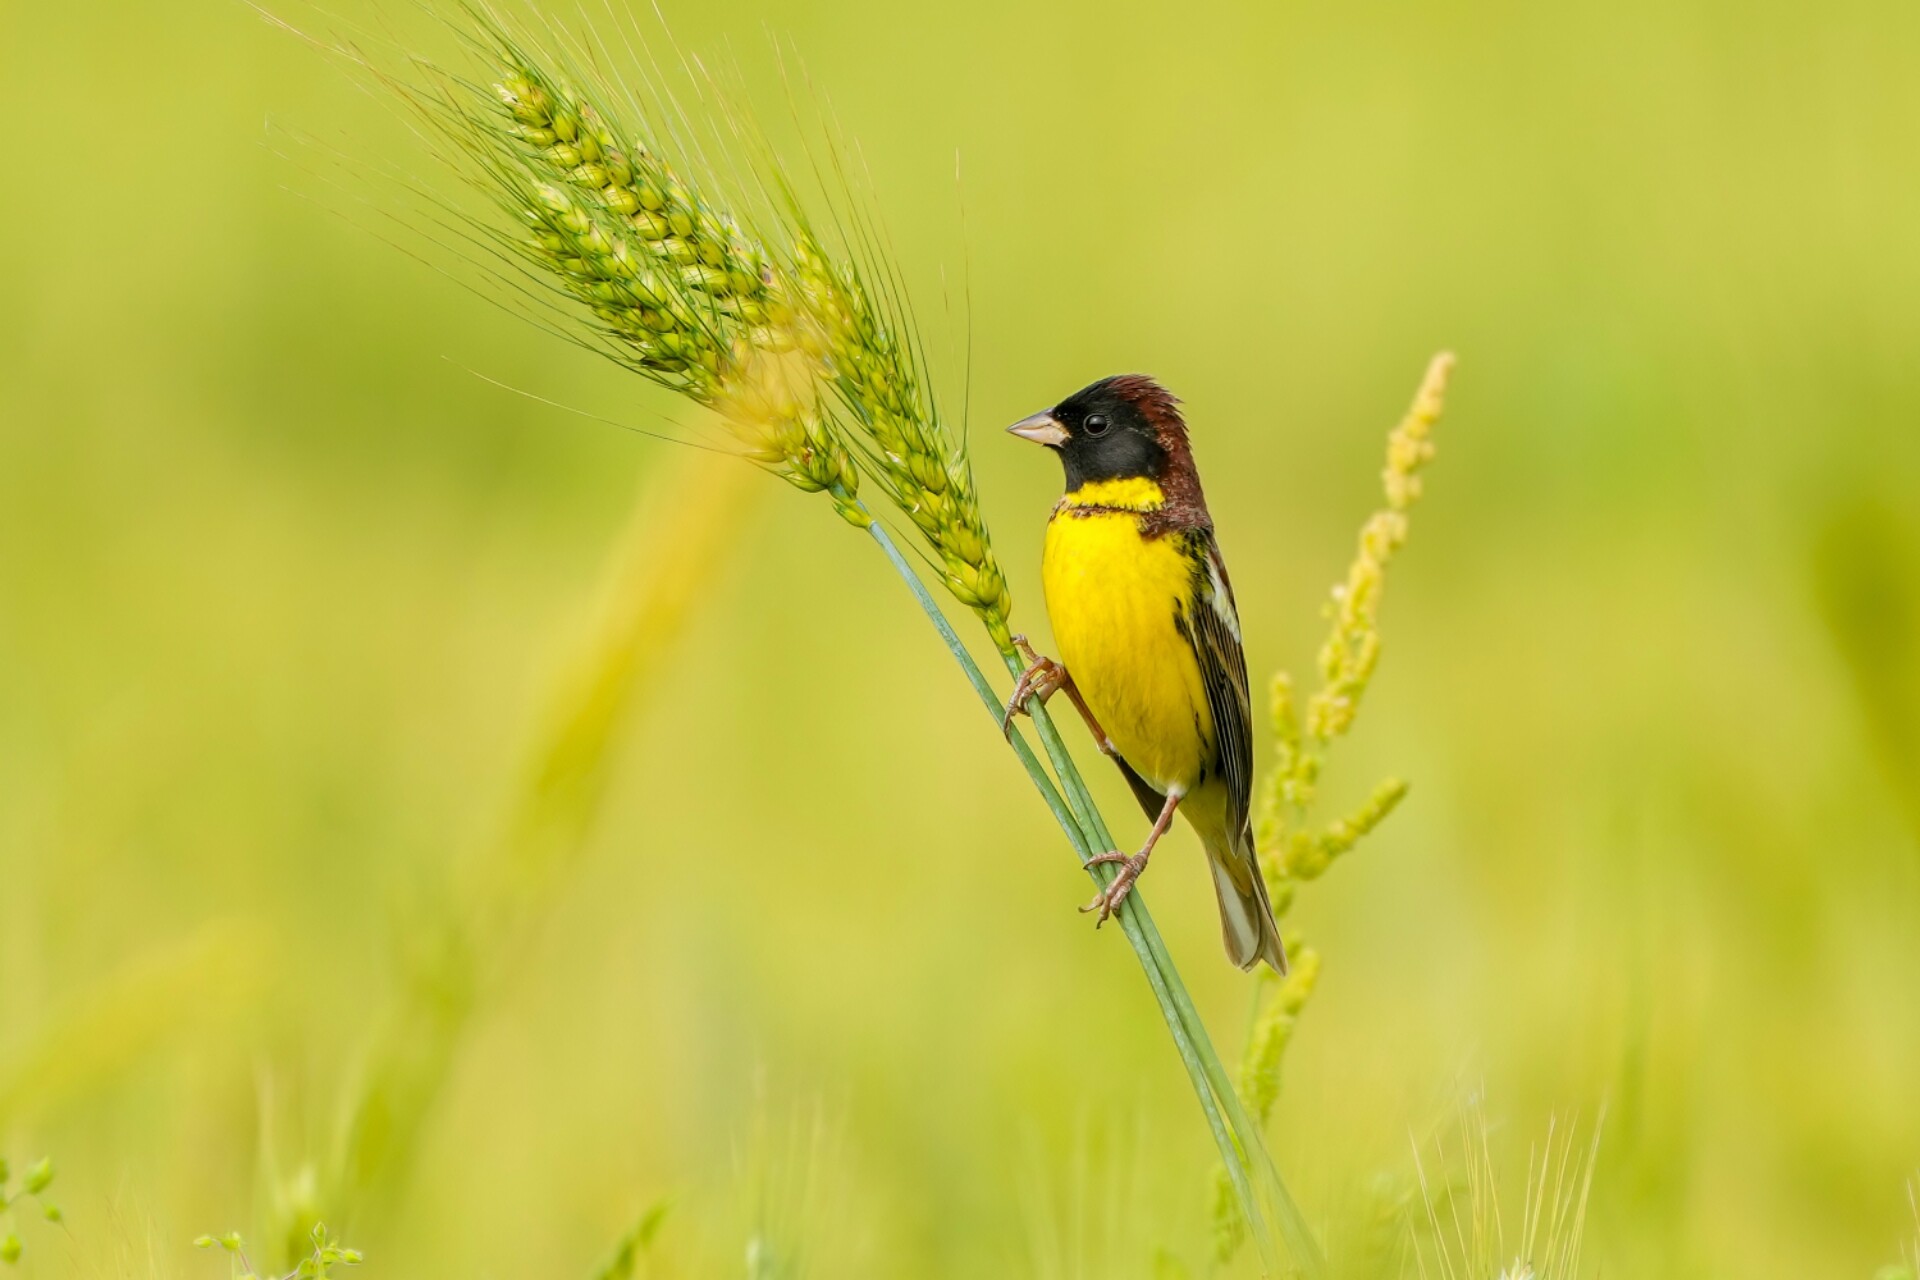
285,590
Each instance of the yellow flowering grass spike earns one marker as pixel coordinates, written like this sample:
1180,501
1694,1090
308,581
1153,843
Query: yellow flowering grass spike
1291,849
1352,649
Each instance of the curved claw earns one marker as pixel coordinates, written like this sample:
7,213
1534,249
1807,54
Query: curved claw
1108,900
1042,679
1015,706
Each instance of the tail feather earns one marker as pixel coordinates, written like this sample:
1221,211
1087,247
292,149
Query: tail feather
1246,916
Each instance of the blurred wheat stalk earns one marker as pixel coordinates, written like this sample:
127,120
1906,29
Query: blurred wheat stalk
1293,847
686,524
1866,579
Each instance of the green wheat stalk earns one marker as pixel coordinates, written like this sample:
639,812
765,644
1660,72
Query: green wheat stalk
809,368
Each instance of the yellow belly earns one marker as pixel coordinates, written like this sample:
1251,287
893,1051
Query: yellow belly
1113,598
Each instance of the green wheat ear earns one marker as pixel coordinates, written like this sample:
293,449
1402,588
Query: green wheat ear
682,294
925,473
786,343
809,366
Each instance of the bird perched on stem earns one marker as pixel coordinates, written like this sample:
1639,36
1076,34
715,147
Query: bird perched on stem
1150,641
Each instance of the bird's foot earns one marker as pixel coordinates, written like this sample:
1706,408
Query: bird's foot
1043,678
1108,900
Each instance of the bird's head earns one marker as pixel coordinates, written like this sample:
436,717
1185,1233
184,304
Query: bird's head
1120,428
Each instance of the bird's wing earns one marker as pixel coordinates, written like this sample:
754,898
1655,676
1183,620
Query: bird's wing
1223,670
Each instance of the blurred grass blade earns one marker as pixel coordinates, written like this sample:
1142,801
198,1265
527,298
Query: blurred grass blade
1866,572
624,1262
213,974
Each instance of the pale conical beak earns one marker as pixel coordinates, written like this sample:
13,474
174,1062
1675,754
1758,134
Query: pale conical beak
1041,428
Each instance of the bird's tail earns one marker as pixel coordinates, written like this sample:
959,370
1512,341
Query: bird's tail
1246,917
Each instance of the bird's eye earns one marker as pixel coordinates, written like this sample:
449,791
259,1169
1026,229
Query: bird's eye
1096,424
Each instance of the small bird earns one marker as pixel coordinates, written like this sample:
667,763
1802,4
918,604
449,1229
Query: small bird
1150,641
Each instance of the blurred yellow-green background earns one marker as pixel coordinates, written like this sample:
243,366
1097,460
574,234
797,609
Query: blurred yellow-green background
289,598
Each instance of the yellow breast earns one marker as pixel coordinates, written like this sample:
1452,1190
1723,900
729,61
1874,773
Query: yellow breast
1115,599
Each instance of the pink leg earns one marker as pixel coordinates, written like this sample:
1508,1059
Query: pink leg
1108,900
